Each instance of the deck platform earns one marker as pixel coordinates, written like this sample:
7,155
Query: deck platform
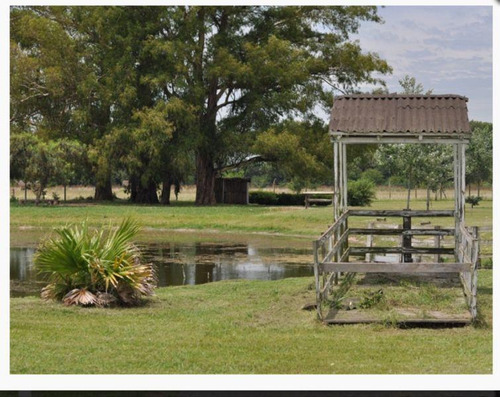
406,316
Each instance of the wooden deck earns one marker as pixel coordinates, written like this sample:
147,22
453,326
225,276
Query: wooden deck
406,316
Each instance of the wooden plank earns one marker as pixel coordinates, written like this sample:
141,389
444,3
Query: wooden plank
319,193
400,250
415,321
336,246
390,267
411,213
369,140
316,200
396,232
332,228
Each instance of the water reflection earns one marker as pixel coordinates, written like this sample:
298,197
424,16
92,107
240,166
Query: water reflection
190,263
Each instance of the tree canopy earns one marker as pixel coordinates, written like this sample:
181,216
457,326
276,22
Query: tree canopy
151,90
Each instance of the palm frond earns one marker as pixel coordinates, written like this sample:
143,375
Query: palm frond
88,268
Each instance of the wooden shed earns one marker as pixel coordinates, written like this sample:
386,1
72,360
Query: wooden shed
408,119
232,190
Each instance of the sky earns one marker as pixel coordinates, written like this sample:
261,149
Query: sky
447,49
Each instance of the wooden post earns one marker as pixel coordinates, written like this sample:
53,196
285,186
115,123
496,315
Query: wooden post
369,243
437,244
457,210
335,180
316,278
407,239
475,256
344,168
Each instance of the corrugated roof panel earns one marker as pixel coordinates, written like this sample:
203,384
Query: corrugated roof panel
400,113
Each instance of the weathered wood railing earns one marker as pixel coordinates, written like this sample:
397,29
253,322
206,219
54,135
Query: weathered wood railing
468,253
332,252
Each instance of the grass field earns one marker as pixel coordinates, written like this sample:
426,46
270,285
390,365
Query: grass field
230,326
236,327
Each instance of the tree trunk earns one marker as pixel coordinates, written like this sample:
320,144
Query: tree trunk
389,188
64,193
165,191
205,180
143,194
478,189
103,189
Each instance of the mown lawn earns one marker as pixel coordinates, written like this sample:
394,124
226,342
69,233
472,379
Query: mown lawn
230,326
236,327
291,221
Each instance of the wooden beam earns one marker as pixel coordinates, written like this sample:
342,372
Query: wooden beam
392,140
390,267
412,213
396,232
400,250
332,228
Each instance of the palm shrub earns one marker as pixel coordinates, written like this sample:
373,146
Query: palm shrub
100,267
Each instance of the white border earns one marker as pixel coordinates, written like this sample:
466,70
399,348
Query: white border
221,382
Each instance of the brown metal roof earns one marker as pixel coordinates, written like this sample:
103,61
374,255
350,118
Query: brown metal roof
399,113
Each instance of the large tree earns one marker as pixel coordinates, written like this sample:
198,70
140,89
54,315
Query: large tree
243,69
236,71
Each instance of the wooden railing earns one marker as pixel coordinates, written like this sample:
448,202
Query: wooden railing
332,252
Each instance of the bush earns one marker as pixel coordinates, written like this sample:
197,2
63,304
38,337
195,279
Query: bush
94,268
270,198
360,193
263,198
373,175
473,200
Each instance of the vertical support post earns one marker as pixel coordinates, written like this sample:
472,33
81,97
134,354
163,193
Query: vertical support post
335,180
462,184
456,167
406,239
475,256
437,244
341,178
316,278
369,243
344,170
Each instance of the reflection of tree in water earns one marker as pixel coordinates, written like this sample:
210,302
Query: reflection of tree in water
179,263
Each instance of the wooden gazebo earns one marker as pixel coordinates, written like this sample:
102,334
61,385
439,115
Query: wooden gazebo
389,119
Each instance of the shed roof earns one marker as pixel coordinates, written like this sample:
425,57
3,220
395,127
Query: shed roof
400,113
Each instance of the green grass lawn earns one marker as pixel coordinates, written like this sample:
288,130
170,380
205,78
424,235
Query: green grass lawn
291,221
230,326
236,327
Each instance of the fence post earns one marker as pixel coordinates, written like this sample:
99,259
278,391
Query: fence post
437,244
369,243
406,239
316,278
474,257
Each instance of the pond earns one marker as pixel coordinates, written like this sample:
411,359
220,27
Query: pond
195,262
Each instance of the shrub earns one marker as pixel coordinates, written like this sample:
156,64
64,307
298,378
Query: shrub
360,193
291,199
263,198
270,198
94,268
473,200
373,175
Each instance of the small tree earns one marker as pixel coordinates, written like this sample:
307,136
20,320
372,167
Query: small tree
480,154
